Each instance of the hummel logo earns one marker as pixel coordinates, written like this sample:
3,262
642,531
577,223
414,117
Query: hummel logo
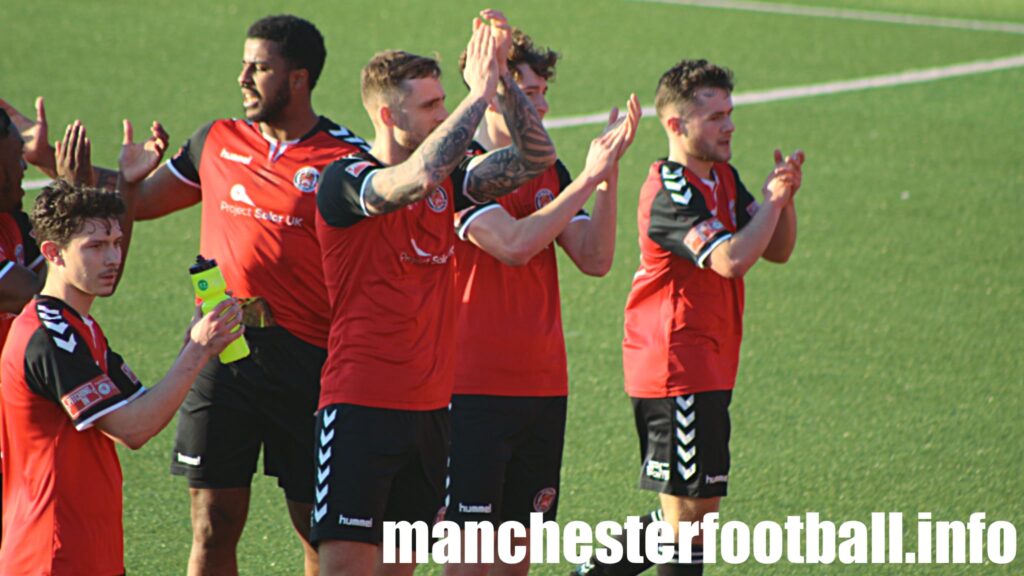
58,327
475,508
359,522
326,436
66,345
235,157
329,417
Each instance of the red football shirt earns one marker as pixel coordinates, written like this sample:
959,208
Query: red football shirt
62,479
391,287
683,321
259,210
17,248
509,331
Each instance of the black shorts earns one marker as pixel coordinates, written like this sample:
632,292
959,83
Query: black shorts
506,458
684,443
376,465
268,399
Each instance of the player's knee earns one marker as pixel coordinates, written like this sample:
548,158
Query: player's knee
216,522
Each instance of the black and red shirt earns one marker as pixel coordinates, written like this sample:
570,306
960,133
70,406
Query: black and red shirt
17,248
259,210
391,287
509,331
62,480
683,322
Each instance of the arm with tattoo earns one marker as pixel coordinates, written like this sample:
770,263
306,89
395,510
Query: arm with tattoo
531,153
391,188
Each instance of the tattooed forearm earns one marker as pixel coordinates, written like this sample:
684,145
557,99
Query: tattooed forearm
531,152
433,161
443,150
535,148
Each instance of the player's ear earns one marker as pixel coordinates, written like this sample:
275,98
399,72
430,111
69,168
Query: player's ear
300,79
384,112
52,252
675,124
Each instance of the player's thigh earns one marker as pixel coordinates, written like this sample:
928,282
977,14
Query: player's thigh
685,444
360,451
417,494
482,430
532,481
218,437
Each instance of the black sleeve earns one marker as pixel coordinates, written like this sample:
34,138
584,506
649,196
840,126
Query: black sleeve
34,260
681,223
185,164
462,199
59,366
339,195
564,179
746,205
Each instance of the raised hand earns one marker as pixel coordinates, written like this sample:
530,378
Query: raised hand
136,161
73,156
785,179
502,33
38,150
214,331
481,73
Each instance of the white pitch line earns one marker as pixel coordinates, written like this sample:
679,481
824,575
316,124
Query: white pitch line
777,94
869,83
847,14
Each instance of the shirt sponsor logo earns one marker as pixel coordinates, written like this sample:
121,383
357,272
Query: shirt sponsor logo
544,499
657,470
357,168
475,508
240,195
542,198
235,157
306,179
438,200
88,395
357,522
424,257
716,479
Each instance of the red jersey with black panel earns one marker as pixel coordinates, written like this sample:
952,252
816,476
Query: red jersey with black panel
259,211
17,248
683,321
62,480
509,331
390,283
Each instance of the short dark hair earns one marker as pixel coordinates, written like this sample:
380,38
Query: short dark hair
62,209
300,42
5,123
384,73
523,51
678,86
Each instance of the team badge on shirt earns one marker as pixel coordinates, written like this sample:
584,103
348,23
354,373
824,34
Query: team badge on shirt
438,200
542,198
306,179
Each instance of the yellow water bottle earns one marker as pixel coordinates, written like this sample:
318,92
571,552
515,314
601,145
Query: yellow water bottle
209,285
